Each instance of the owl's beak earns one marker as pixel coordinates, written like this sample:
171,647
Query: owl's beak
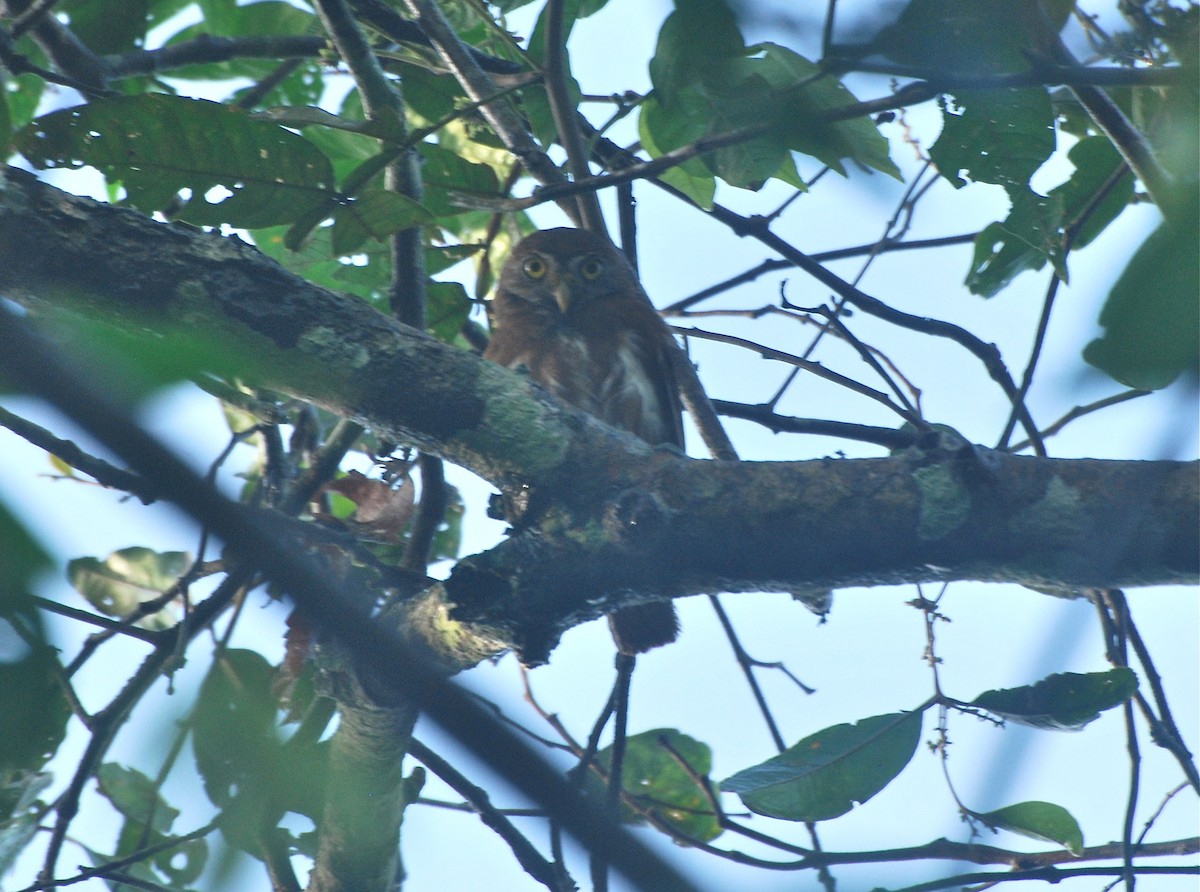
563,292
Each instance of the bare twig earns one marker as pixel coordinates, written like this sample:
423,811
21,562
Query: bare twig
565,115
502,118
542,870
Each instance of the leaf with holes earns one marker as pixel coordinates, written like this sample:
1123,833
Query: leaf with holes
119,584
654,779
223,166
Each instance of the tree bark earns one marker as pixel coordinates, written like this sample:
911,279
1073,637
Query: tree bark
608,521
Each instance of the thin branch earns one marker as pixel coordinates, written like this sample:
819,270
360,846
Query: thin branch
1039,339
768,266
1042,73
391,24
542,870
746,664
109,720
814,367
1166,731
119,627
563,110
208,48
104,473
478,86
431,511
31,16
1080,411
79,66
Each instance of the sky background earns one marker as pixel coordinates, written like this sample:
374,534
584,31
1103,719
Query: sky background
867,659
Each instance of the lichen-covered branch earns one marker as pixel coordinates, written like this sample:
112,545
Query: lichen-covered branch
610,521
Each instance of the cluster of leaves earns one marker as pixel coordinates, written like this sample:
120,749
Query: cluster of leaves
829,772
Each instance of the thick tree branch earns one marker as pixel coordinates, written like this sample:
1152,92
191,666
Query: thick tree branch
608,514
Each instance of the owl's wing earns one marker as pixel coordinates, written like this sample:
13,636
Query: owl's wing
636,388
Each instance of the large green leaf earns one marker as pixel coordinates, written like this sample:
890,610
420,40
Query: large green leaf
1151,318
135,796
706,81
694,43
1003,137
1030,235
450,180
238,171
653,777
1063,702
826,773
248,771
1091,189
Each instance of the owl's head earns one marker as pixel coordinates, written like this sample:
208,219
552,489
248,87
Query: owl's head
562,267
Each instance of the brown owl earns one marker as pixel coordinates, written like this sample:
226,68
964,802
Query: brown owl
570,310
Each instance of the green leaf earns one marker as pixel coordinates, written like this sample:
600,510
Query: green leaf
693,43
1096,162
653,777
108,28
800,97
135,796
826,773
148,819
247,771
980,36
661,131
994,136
573,10
762,86
316,262
234,724
31,697
447,541
258,174
119,584
15,834
6,120
447,309
375,215
1063,702
1029,236
223,19
1151,317
21,558
1038,820
445,172
429,97
1003,137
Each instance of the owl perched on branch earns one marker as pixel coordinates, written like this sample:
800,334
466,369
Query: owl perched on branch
570,310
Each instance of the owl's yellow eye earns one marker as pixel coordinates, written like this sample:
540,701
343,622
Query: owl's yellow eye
591,268
534,267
